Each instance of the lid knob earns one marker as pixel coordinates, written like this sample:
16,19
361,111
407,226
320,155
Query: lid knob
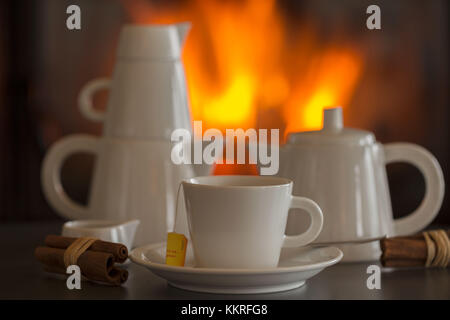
332,119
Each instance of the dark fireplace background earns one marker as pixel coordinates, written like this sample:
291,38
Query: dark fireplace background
43,66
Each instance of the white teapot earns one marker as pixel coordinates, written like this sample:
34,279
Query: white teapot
344,171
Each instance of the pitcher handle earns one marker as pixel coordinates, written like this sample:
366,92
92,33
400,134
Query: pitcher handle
51,174
85,98
434,185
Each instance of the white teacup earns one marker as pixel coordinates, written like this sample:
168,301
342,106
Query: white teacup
240,221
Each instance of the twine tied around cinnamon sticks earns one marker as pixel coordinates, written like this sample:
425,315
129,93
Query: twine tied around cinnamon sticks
438,248
96,258
76,249
427,249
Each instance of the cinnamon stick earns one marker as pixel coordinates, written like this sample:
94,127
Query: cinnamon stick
402,248
97,266
118,275
399,263
404,251
118,250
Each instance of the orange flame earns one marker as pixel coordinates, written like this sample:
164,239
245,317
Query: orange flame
239,63
329,81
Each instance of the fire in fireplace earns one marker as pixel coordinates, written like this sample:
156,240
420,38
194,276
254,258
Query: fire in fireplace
255,63
245,66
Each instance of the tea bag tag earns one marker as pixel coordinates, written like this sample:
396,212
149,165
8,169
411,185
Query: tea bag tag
176,249
176,243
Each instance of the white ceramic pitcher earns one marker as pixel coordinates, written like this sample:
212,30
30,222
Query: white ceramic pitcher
344,171
134,177
148,97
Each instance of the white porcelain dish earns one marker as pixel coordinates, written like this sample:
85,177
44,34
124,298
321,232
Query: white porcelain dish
106,230
295,267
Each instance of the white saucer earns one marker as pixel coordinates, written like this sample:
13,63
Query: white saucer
295,267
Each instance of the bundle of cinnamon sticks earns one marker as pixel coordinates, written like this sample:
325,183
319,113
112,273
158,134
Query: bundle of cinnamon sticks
96,263
406,251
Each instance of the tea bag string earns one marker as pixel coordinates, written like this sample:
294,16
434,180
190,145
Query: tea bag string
176,207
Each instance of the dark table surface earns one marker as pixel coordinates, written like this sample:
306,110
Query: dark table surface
23,278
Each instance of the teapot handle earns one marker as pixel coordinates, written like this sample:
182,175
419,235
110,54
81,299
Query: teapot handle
85,98
434,185
51,173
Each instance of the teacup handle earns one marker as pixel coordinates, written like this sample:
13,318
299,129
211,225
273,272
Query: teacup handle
85,98
315,227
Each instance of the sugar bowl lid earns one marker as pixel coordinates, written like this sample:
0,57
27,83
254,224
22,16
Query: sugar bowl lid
333,132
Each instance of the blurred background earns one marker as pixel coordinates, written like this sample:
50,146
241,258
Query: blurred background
261,64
